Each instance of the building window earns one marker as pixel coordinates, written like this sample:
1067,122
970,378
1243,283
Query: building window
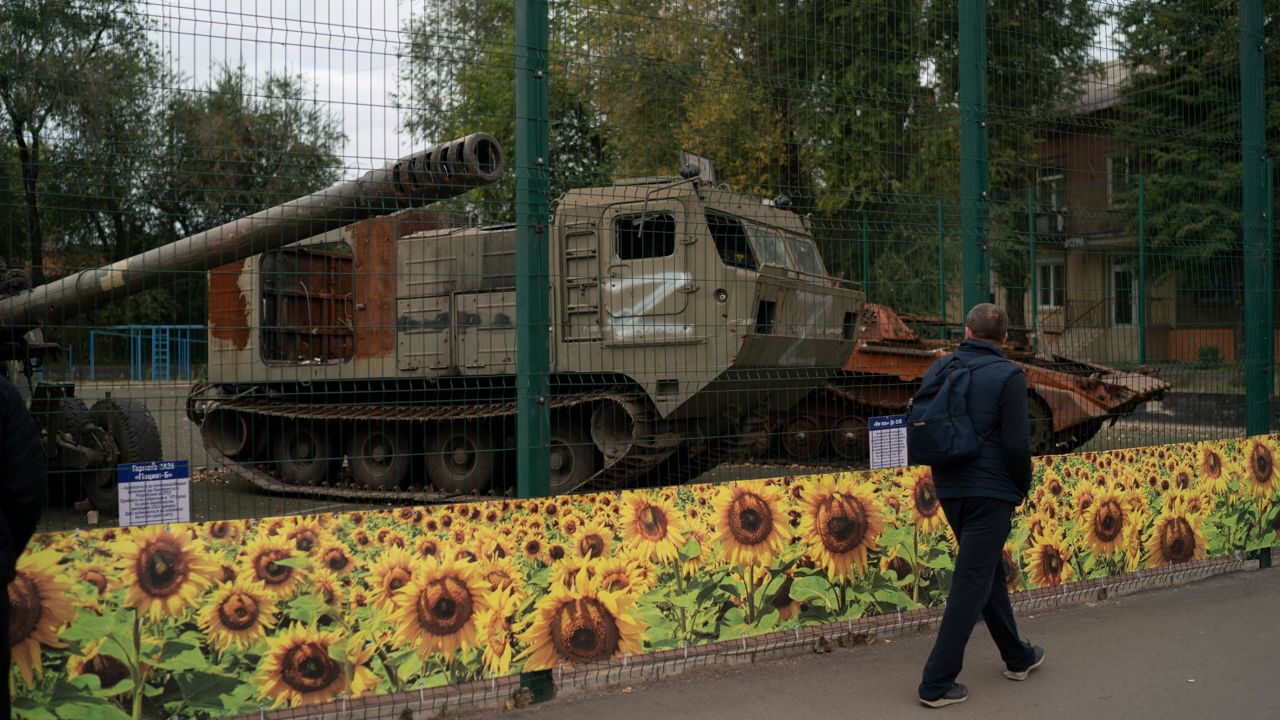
1051,284
1051,189
1120,169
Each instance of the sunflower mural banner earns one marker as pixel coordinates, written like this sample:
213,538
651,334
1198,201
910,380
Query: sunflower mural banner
223,618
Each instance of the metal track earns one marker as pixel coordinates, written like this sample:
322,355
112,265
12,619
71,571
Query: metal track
649,448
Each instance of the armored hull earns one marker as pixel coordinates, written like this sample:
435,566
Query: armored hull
379,360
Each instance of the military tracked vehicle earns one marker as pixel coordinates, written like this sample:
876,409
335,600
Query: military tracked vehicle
90,442
378,361
1069,400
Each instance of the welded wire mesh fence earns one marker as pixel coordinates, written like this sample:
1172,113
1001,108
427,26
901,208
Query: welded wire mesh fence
352,255
707,325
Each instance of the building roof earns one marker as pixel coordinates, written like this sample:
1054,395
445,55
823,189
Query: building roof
1103,88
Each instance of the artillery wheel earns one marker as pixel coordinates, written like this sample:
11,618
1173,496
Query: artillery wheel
801,437
137,438
232,433
849,438
573,455
1041,424
306,454
460,458
67,416
379,454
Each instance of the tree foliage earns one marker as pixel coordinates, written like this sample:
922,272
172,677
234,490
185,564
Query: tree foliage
848,108
1181,123
105,154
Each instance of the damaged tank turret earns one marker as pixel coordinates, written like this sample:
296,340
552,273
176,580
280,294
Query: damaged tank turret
92,441
379,362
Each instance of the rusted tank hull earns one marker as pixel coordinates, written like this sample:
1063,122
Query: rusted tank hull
1069,400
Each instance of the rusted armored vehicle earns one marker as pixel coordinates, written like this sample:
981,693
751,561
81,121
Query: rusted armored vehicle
90,442
378,361
1069,400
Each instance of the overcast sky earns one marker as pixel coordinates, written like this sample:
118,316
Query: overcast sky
345,51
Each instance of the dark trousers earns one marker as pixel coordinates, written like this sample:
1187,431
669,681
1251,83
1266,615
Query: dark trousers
977,589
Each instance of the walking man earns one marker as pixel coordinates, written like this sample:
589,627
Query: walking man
978,497
22,493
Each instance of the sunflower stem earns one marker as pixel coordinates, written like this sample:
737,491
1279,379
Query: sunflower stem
915,559
138,675
750,580
684,622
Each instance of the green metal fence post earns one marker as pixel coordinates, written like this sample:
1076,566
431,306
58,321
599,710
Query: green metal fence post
866,256
533,361
1142,270
974,177
942,269
1031,241
1258,341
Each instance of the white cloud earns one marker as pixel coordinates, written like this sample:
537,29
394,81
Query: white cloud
346,51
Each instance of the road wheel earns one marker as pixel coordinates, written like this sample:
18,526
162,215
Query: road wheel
849,438
233,434
573,455
137,438
1041,424
801,438
306,454
459,458
379,454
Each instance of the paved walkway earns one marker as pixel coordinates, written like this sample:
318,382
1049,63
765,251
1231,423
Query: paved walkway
1207,650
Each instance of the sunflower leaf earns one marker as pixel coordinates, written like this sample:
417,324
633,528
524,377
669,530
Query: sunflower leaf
691,549
411,666
240,700
893,596
768,621
204,691
88,626
811,589
297,563
179,656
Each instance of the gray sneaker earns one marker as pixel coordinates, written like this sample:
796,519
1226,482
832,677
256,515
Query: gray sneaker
957,693
1037,655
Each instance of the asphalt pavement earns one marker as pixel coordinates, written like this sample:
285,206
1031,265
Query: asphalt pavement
1204,650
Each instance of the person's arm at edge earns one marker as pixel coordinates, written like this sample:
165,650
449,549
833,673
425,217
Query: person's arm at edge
23,469
1015,435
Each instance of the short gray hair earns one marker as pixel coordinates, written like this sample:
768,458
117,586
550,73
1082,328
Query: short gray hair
987,322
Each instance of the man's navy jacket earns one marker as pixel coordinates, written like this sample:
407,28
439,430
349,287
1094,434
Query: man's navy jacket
998,408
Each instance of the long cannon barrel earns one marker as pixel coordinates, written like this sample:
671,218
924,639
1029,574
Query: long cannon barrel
441,171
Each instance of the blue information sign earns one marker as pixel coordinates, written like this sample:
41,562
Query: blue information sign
156,492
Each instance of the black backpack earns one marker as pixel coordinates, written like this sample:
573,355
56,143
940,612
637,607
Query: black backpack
939,430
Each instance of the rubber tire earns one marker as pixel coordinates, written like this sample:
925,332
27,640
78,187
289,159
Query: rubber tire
578,449
68,415
305,473
440,470
381,476
136,437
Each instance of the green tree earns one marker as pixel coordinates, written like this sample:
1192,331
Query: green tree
1181,121
460,78
1038,56
64,66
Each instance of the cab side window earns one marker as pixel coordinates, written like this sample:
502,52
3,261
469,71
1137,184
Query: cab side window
645,236
731,241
